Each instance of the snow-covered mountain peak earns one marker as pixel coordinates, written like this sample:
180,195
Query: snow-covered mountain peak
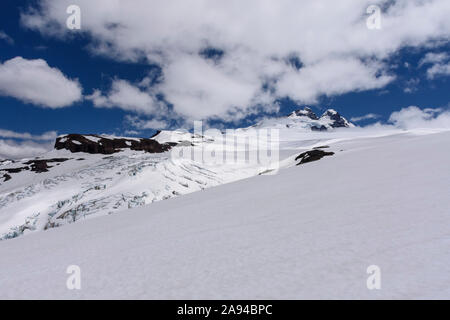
305,119
335,120
305,112
330,112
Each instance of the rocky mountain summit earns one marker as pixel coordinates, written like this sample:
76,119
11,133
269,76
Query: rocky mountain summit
306,112
330,119
306,120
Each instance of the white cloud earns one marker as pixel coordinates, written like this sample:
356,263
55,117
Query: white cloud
326,78
5,37
440,64
433,58
200,89
338,52
19,145
369,116
414,118
438,70
47,136
34,81
17,150
128,97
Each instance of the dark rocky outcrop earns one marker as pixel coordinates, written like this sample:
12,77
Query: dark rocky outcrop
96,144
15,170
41,165
312,155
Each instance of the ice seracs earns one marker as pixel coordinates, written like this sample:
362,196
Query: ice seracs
88,176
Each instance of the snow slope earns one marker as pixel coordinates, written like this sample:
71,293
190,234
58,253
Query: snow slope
309,231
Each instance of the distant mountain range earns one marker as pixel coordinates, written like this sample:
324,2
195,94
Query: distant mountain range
308,120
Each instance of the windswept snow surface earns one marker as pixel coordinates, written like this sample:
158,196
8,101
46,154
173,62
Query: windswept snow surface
309,231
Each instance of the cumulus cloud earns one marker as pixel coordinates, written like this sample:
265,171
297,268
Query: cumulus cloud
440,64
10,149
324,78
336,52
415,118
433,58
199,88
17,145
369,116
34,81
438,69
126,96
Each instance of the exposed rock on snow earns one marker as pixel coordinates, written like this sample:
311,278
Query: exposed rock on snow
107,145
312,155
36,165
41,165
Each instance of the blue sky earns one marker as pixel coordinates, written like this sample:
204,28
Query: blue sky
80,56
